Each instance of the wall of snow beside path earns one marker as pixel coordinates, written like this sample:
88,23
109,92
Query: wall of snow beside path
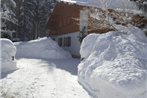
115,64
7,52
43,48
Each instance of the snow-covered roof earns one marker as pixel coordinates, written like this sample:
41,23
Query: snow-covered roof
111,4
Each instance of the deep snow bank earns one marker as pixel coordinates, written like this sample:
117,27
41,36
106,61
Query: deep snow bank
8,51
115,64
43,48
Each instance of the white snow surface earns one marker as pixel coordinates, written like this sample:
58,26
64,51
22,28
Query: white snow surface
7,51
44,48
42,78
13,2
115,64
113,4
38,78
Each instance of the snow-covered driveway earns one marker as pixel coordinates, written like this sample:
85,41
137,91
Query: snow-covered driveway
37,78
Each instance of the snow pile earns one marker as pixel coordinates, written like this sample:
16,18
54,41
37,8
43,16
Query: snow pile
113,4
8,51
43,48
115,64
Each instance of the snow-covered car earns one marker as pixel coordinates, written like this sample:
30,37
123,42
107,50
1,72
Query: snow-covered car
7,58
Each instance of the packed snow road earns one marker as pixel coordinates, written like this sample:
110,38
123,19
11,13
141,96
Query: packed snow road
37,78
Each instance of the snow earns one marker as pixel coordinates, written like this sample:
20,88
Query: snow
6,15
13,2
8,51
42,48
115,64
130,11
48,72
113,4
47,76
38,78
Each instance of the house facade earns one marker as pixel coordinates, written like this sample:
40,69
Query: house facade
65,25
68,20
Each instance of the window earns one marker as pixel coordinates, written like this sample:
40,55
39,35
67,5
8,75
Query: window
60,41
54,39
67,42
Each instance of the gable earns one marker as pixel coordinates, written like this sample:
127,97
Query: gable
64,19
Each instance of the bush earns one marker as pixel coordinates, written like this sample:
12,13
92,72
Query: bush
5,35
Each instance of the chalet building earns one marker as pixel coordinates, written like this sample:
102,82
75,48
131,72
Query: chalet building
68,20
64,26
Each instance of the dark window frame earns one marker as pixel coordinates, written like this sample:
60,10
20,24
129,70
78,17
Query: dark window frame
67,42
60,41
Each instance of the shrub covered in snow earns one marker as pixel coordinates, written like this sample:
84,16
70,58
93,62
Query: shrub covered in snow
8,51
43,48
115,64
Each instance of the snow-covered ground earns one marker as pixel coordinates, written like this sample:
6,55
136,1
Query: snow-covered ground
115,64
37,78
7,57
49,76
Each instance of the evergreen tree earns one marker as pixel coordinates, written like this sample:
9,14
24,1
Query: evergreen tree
33,18
7,14
30,16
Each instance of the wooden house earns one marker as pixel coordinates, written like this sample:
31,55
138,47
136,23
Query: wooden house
64,24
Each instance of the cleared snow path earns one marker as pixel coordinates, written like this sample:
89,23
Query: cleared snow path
37,78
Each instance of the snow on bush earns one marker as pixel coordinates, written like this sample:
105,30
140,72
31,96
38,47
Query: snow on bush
115,64
8,51
43,48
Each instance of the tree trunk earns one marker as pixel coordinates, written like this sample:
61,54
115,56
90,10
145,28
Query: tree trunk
36,30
